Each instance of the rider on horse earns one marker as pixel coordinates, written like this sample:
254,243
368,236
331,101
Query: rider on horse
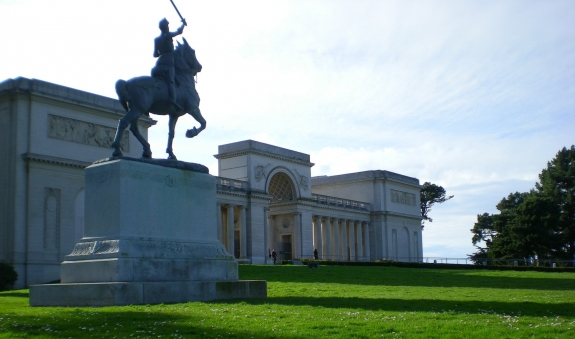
164,51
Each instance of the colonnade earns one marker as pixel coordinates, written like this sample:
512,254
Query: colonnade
341,239
226,231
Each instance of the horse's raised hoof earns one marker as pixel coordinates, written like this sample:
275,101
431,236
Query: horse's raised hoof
191,133
117,153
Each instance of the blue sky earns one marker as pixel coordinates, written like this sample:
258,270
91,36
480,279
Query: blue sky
475,96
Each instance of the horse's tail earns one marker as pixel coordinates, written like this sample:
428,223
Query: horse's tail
123,94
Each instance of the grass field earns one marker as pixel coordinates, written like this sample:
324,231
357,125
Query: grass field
331,302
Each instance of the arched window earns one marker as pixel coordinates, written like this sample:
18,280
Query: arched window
281,188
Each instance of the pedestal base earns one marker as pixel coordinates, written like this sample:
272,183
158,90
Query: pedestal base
141,293
150,237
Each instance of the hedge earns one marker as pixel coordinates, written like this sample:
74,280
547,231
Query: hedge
7,276
440,266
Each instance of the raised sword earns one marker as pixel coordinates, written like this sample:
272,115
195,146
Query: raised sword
176,8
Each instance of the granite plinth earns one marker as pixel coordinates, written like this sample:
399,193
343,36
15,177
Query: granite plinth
150,236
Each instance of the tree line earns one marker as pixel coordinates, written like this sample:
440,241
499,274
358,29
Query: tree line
539,224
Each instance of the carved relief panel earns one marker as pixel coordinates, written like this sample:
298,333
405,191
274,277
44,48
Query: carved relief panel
404,198
85,133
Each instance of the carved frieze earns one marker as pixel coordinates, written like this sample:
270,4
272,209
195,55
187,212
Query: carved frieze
51,218
404,198
85,133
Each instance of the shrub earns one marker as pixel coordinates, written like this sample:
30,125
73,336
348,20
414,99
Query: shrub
7,276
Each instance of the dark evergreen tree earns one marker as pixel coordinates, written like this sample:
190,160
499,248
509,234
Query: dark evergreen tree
538,224
557,182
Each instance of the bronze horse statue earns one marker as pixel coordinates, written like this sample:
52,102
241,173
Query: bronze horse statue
145,94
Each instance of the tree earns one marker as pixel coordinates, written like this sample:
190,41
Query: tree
430,195
493,230
557,182
536,224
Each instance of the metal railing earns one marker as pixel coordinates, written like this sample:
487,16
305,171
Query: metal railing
502,262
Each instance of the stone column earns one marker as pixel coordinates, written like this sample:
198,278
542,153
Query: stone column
219,222
352,244
317,236
230,210
336,253
366,249
243,233
271,232
345,243
266,235
327,240
296,236
359,232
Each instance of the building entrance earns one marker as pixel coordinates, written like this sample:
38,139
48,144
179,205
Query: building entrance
286,247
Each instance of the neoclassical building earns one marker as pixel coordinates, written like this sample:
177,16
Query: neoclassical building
266,196
267,199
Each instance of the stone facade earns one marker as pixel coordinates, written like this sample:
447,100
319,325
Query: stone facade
266,197
48,135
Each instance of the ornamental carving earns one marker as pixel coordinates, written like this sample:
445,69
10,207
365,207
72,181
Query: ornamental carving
404,198
303,181
85,133
261,172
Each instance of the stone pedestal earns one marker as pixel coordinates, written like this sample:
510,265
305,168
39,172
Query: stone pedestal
150,237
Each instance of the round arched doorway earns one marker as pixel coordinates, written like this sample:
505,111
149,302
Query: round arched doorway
281,231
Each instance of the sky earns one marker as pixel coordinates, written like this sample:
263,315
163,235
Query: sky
475,96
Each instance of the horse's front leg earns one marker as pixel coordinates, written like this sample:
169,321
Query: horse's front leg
199,118
171,133
136,132
122,124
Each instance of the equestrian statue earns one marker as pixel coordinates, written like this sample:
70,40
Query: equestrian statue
170,90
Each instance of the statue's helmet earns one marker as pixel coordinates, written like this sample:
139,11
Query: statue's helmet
164,24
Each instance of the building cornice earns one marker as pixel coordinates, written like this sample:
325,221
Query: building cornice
396,214
32,157
68,97
374,175
244,194
264,154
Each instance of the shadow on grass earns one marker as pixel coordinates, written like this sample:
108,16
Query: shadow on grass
17,294
101,323
394,276
420,305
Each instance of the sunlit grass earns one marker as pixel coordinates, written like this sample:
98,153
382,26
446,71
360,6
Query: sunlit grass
331,302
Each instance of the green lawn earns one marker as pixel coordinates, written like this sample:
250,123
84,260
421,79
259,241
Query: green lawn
331,302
